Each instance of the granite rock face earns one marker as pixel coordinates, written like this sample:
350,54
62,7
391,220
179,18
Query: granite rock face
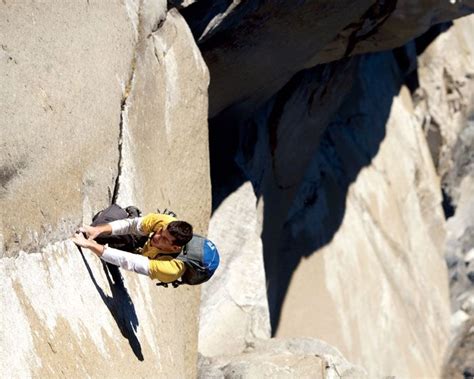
444,100
101,102
388,248
50,94
327,151
234,309
282,358
348,193
445,104
346,246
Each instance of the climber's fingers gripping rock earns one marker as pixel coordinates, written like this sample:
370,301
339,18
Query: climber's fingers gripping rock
92,232
80,240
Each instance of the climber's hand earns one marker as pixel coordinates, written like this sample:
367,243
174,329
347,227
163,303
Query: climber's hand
80,240
92,232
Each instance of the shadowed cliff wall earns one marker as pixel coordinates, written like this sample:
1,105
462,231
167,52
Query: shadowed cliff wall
347,198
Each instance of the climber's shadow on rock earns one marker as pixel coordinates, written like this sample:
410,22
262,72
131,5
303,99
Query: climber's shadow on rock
119,304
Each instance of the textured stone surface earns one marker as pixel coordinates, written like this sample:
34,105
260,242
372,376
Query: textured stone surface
444,101
282,358
164,150
445,105
51,106
110,101
459,243
64,315
106,101
234,308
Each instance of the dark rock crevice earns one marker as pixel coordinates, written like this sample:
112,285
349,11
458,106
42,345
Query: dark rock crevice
144,35
123,111
369,24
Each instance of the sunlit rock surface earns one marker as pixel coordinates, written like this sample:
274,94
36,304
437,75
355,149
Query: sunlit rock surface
282,358
445,104
327,168
460,258
234,308
100,102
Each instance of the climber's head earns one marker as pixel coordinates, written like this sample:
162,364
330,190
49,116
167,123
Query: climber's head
173,237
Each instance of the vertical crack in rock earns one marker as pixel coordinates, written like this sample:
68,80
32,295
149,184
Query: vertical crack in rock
126,93
155,29
134,13
123,120
157,26
137,23
369,23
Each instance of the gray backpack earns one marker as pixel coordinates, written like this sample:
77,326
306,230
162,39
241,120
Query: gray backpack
201,258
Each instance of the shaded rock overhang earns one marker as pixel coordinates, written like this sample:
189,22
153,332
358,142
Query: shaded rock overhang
253,48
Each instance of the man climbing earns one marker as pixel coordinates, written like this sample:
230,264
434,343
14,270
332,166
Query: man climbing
157,258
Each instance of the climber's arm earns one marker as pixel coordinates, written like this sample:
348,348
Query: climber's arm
127,226
128,261
164,268
114,228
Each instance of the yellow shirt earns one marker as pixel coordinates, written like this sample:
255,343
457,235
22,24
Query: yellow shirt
166,269
162,267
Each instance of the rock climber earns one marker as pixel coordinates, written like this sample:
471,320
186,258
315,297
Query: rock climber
166,238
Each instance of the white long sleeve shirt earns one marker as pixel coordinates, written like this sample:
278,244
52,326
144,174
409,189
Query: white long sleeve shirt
131,262
127,226
152,263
